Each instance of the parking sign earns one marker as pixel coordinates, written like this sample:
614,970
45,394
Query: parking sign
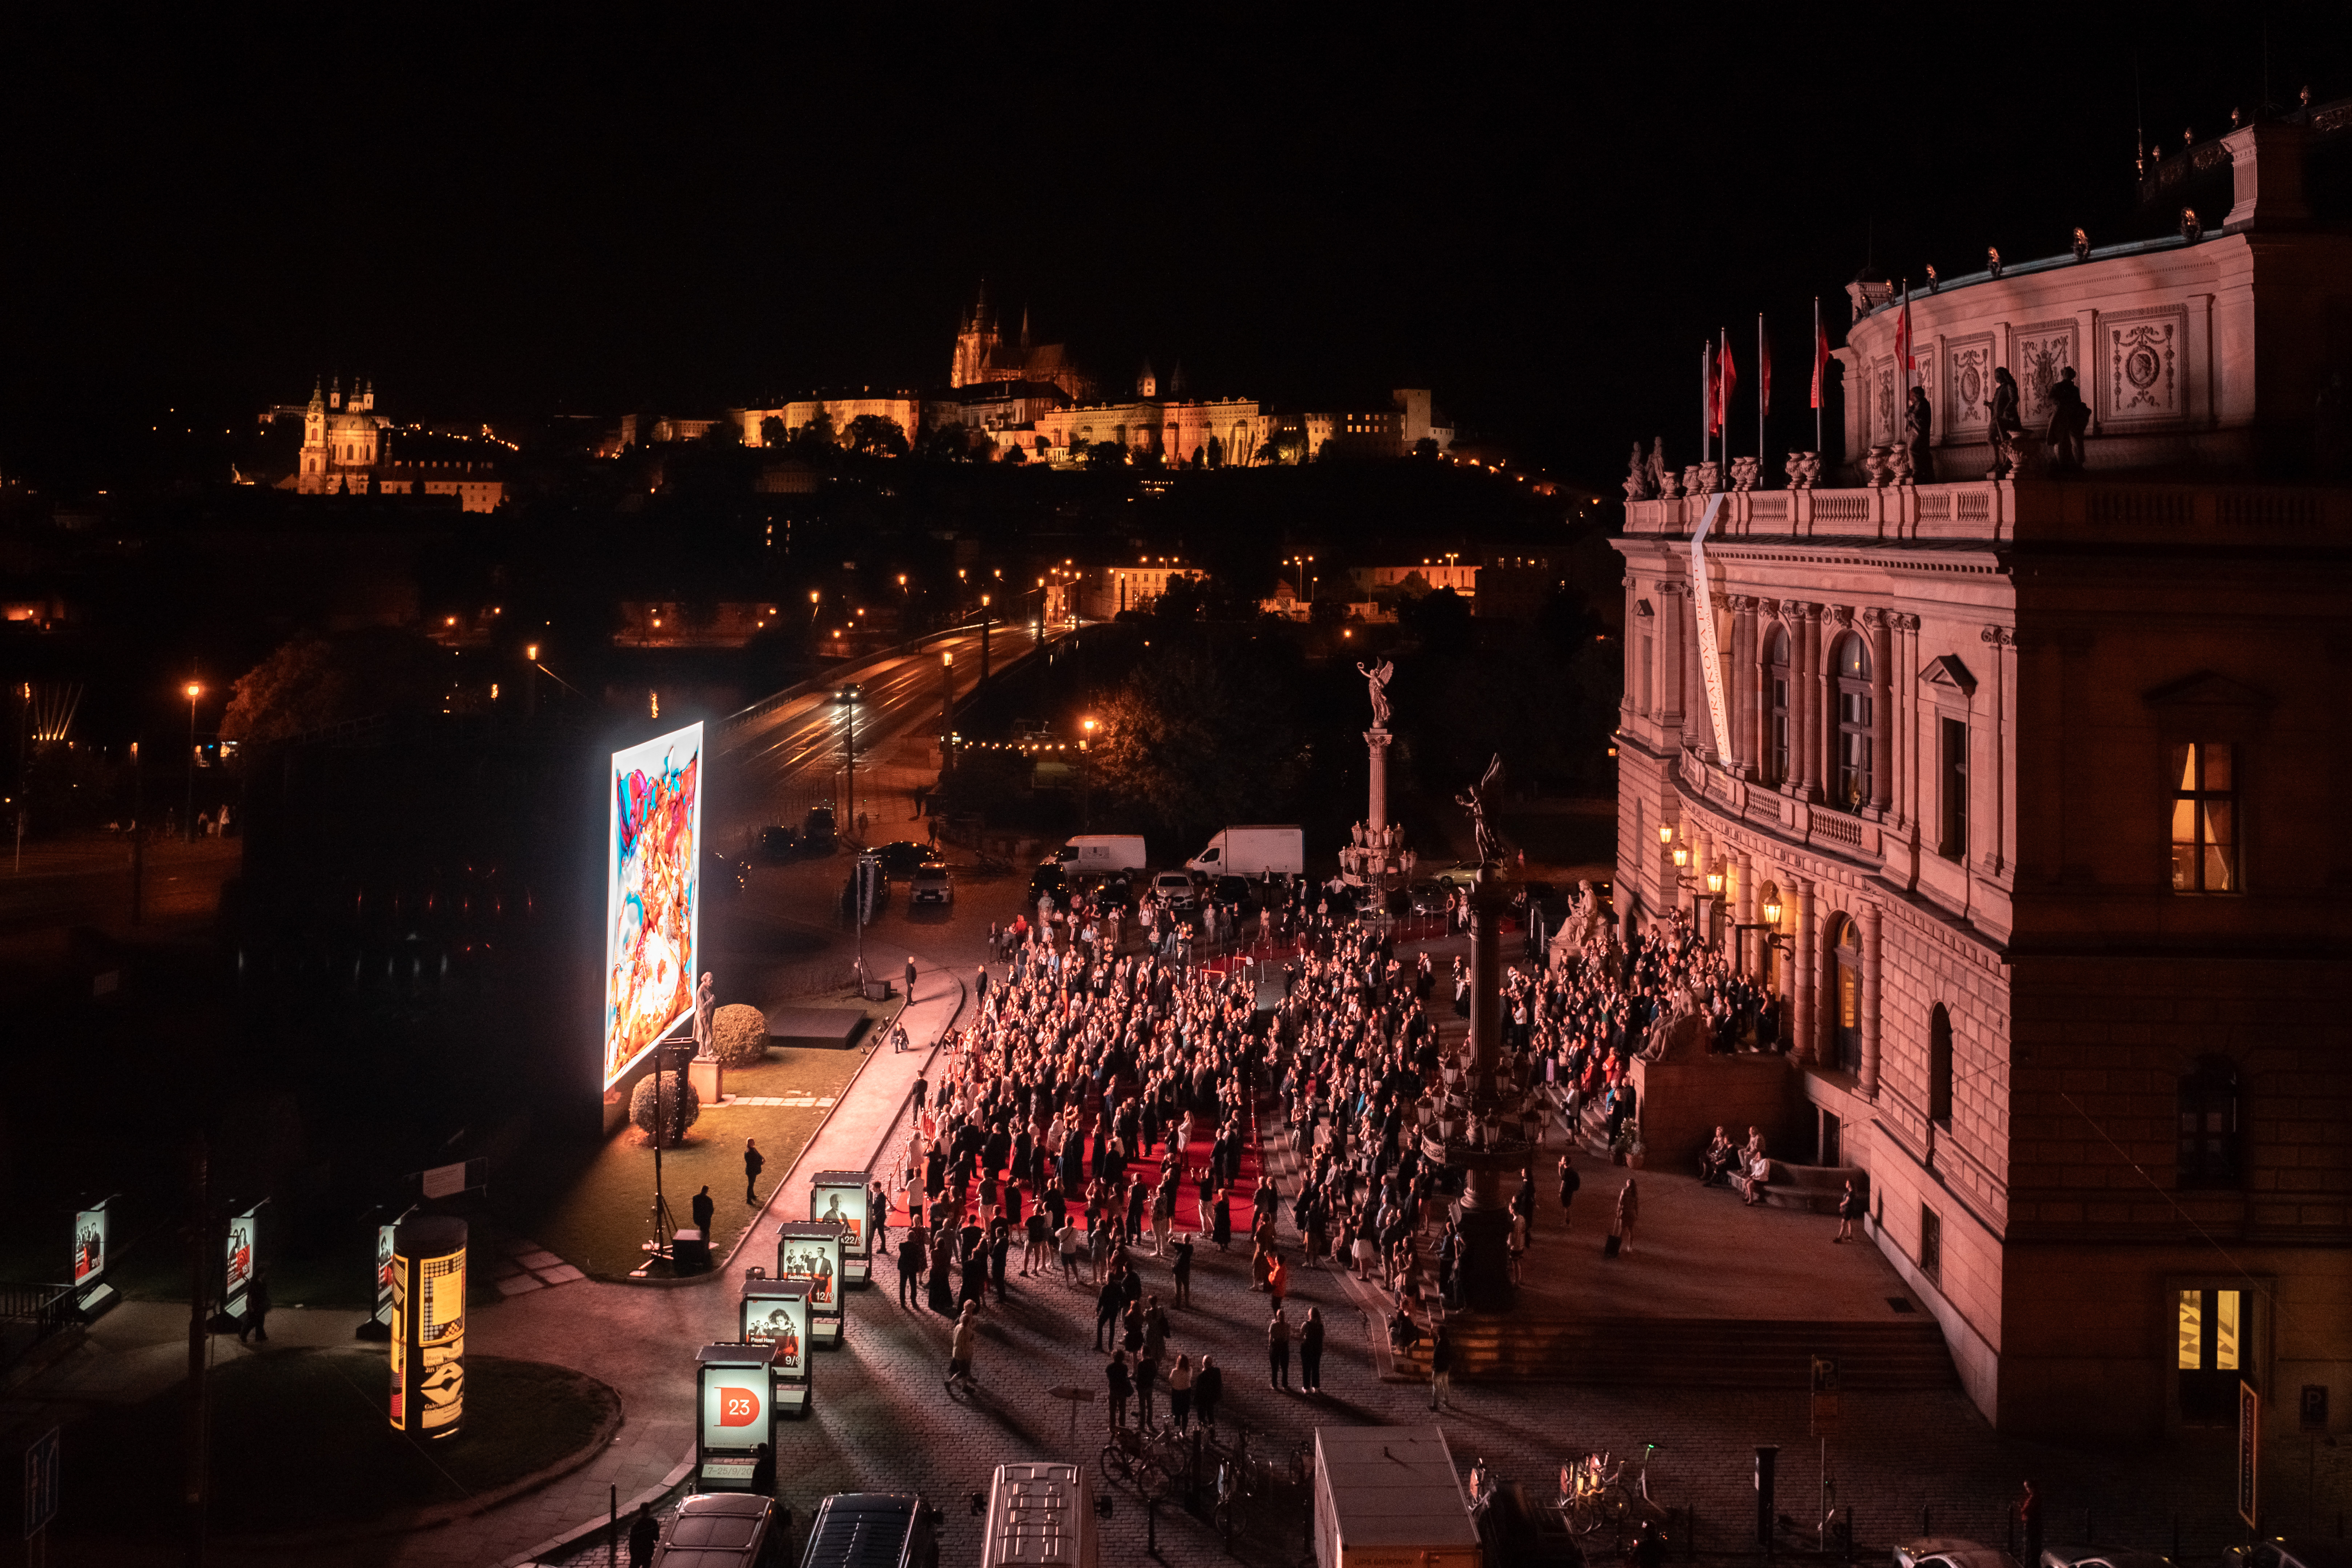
41,1483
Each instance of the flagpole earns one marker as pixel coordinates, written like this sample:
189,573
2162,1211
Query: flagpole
1814,351
1705,440
1723,397
1763,391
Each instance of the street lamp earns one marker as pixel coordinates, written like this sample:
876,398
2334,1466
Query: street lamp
1087,772
188,825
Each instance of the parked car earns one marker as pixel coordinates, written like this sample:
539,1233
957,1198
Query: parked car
849,891
1461,874
873,1530
817,830
2289,1552
1174,891
2098,1557
1046,879
1429,897
1239,892
930,884
779,841
714,1528
1950,1552
901,859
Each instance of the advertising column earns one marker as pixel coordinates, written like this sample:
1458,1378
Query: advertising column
776,1314
812,1253
734,1414
428,1326
838,1197
92,1294
240,1260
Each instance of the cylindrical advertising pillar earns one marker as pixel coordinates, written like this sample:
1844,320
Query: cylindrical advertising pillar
428,1326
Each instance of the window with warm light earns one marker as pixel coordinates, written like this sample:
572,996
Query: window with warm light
2204,818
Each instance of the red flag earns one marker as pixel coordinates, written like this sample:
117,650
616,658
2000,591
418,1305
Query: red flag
1727,381
1710,391
1820,357
1763,372
1903,334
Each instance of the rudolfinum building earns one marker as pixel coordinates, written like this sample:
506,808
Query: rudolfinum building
2029,796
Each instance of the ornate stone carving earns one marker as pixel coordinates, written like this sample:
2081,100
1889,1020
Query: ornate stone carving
1874,468
1899,464
2041,352
2141,377
1968,391
1669,486
1999,636
1840,615
1637,476
1743,473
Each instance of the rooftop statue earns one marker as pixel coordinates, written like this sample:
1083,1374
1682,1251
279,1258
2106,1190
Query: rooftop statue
1378,678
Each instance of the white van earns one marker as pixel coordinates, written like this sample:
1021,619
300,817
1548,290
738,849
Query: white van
1102,855
1039,1516
1251,852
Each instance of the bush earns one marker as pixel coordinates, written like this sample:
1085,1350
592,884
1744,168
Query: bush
738,1035
673,1084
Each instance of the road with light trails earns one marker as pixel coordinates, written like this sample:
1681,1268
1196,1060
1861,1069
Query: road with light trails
775,761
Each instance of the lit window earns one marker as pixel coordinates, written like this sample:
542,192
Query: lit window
1853,723
2204,819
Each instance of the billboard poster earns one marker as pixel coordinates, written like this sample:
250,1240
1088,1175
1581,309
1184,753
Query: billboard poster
814,1256
780,1322
441,1336
842,1202
385,1274
239,1257
90,1246
653,856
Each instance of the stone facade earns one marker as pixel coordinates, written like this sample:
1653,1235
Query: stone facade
2047,781
348,448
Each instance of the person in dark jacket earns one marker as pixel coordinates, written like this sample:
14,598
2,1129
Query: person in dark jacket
1441,1367
914,1252
753,1162
1311,1352
1122,1384
706,1209
1208,1388
644,1531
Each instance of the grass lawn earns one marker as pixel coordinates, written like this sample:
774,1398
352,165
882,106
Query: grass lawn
598,1219
299,1442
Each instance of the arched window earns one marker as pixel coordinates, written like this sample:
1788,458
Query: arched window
2208,1125
1845,957
1853,758
1776,706
1939,1066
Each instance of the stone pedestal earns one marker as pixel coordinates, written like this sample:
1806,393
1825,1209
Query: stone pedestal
1485,1209
709,1077
1376,746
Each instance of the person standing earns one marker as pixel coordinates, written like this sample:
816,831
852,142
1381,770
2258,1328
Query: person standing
1441,1366
1849,1206
1311,1352
910,977
878,1214
1277,1281
1208,1388
1180,1392
1277,1350
1120,1386
256,1320
913,1253
644,1531
1569,1183
1919,420
753,1163
965,1341
1629,1209
763,1472
1182,1269
2029,1523
2069,417
705,1210
1108,1302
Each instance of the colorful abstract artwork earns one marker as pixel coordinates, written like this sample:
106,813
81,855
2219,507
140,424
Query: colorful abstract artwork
652,894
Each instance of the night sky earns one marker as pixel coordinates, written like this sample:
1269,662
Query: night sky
498,216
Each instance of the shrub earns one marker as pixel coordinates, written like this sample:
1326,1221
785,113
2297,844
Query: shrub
738,1035
673,1084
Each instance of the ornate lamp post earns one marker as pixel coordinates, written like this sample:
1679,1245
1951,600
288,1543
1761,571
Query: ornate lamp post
188,824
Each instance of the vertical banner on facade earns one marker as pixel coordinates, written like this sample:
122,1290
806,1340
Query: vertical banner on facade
1710,661
2249,1444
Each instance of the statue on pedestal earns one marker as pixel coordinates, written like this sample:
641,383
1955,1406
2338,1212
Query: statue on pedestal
706,999
1377,679
1477,801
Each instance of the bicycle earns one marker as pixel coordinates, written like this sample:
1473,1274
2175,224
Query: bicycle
1134,1455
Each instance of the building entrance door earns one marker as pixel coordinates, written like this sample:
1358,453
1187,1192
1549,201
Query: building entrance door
1846,999
2214,1355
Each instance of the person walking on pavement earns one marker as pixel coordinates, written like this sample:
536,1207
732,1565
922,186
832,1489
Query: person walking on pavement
706,1209
877,1214
763,1472
965,1341
753,1164
1147,1362
644,1532
1441,1366
1182,1269
256,1320
1109,1301
1569,1183
1311,1352
1849,1209
1629,1209
910,977
1120,1384
1277,1350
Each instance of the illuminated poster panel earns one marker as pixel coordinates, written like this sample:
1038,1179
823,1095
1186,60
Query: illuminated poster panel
90,1246
428,1326
812,1253
240,1260
733,1417
776,1314
384,1271
652,894
838,1197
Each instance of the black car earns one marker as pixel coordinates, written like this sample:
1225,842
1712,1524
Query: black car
901,859
1235,893
817,831
1046,879
779,841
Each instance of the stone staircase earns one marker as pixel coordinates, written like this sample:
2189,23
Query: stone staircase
1694,1353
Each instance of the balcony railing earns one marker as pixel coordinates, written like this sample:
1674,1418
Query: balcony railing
1991,512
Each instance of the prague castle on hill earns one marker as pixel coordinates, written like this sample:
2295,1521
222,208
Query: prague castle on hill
1012,397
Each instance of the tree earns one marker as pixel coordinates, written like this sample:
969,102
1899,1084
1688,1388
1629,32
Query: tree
1426,449
817,436
1012,454
877,435
312,681
771,431
1201,736
1216,453
948,443
1107,455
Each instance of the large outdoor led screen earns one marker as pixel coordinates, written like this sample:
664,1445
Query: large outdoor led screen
652,894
